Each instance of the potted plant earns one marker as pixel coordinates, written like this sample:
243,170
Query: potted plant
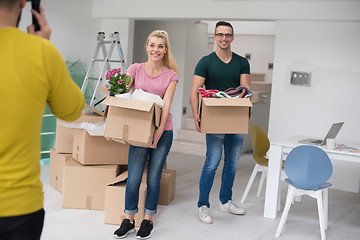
117,82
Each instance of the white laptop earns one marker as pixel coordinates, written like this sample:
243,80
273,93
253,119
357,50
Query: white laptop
332,133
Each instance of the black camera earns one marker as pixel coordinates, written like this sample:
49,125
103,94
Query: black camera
35,5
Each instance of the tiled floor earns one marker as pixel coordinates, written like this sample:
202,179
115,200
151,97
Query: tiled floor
179,219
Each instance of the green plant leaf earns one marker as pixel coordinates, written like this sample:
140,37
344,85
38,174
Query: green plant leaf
127,79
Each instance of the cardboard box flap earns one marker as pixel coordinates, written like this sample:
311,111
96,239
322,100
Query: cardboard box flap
122,177
227,102
128,103
93,110
157,113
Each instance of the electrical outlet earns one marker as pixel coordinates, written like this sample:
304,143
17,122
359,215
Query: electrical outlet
300,78
184,111
270,66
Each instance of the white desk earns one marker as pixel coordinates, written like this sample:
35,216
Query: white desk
276,151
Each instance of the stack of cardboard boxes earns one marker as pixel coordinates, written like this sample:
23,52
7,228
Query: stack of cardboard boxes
90,171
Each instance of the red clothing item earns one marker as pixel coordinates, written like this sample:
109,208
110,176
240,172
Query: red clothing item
239,92
207,93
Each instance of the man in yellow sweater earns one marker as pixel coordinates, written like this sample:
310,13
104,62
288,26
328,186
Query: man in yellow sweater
32,73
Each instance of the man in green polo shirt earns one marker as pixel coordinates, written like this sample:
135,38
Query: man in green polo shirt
219,70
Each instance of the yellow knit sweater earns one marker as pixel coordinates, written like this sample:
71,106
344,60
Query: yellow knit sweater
32,72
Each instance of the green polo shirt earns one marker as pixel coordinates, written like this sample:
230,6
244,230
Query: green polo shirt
219,75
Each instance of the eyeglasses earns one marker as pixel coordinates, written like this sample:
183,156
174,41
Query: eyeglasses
221,35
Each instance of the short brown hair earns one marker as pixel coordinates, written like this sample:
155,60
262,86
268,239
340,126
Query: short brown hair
8,4
223,23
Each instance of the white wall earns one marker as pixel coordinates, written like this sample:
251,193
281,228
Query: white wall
125,28
331,52
247,27
261,48
229,9
74,29
197,45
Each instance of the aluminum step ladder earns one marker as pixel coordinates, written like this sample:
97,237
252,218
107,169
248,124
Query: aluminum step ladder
100,64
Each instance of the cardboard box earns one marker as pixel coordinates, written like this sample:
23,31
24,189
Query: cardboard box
57,163
257,77
167,186
224,115
131,121
115,201
92,150
84,186
262,87
64,135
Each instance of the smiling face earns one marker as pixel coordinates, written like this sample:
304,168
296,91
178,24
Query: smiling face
223,37
156,48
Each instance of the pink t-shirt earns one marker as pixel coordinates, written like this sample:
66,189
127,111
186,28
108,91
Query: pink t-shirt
156,85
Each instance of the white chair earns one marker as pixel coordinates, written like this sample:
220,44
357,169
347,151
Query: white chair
308,168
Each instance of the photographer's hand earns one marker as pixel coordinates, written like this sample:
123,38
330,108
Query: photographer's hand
45,30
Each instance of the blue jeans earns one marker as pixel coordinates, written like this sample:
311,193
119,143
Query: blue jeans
136,164
232,148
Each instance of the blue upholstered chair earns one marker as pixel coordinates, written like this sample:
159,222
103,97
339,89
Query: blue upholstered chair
308,169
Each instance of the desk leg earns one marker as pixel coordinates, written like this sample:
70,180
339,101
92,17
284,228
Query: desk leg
273,180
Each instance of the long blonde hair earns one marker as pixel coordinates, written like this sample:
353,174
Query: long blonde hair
168,59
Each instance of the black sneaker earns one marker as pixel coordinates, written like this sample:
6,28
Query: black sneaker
125,228
146,229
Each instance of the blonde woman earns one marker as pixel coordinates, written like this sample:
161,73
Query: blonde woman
158,75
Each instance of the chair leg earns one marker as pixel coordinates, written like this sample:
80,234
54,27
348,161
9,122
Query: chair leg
289,199
279,198
326,206
321,213
263,175
282,177
251,180
287,195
